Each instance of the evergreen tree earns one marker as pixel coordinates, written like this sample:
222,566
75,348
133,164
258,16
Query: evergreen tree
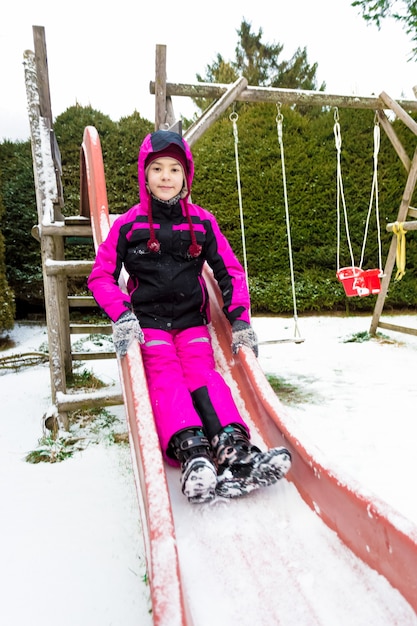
257,61
260,64
297,73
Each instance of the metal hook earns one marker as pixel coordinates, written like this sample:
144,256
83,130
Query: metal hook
279,117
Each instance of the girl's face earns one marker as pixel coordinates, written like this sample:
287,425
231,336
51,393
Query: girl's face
165,178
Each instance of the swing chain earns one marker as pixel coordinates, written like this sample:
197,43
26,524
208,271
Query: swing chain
279,120
375,195
233,118
340,194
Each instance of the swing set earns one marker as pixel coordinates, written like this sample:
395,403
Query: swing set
360,282
279,120
355,280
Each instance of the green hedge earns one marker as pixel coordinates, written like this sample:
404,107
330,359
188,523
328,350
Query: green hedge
310,160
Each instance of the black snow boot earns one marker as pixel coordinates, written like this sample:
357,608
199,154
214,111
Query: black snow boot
198,472
242,467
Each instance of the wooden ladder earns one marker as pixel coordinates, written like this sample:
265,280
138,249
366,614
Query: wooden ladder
52,231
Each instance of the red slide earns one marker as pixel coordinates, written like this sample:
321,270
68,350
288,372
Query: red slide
249,533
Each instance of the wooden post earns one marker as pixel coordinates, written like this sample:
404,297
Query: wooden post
399,112
215,111
392,136
41,64
46,194
302,97
45,110
160,86
390,262
403,211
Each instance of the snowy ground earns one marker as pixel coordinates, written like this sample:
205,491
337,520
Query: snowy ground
359,396
70,541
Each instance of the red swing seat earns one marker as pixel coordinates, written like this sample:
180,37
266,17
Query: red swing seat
358,282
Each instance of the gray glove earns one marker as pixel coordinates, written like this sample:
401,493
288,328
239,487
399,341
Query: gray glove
243,335
125,331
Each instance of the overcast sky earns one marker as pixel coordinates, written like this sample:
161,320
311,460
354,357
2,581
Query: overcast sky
103,54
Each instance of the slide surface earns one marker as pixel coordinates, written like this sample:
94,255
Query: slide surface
256,559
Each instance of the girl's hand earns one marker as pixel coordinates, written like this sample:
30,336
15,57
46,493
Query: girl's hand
125,331
243,335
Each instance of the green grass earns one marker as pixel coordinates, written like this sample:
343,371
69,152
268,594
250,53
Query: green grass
287,392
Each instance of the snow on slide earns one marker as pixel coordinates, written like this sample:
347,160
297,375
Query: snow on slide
299,552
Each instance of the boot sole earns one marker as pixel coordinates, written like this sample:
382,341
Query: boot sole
265,469
198,481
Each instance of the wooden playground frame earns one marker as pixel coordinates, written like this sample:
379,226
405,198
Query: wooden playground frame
52,229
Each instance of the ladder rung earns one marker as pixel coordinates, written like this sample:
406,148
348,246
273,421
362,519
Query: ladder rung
82,400
81,301
78,220
92,356
91,329
68,268
401,329
64,230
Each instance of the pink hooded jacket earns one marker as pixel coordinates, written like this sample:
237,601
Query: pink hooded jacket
166,289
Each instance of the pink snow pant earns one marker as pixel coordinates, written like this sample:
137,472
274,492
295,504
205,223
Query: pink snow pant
178,363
